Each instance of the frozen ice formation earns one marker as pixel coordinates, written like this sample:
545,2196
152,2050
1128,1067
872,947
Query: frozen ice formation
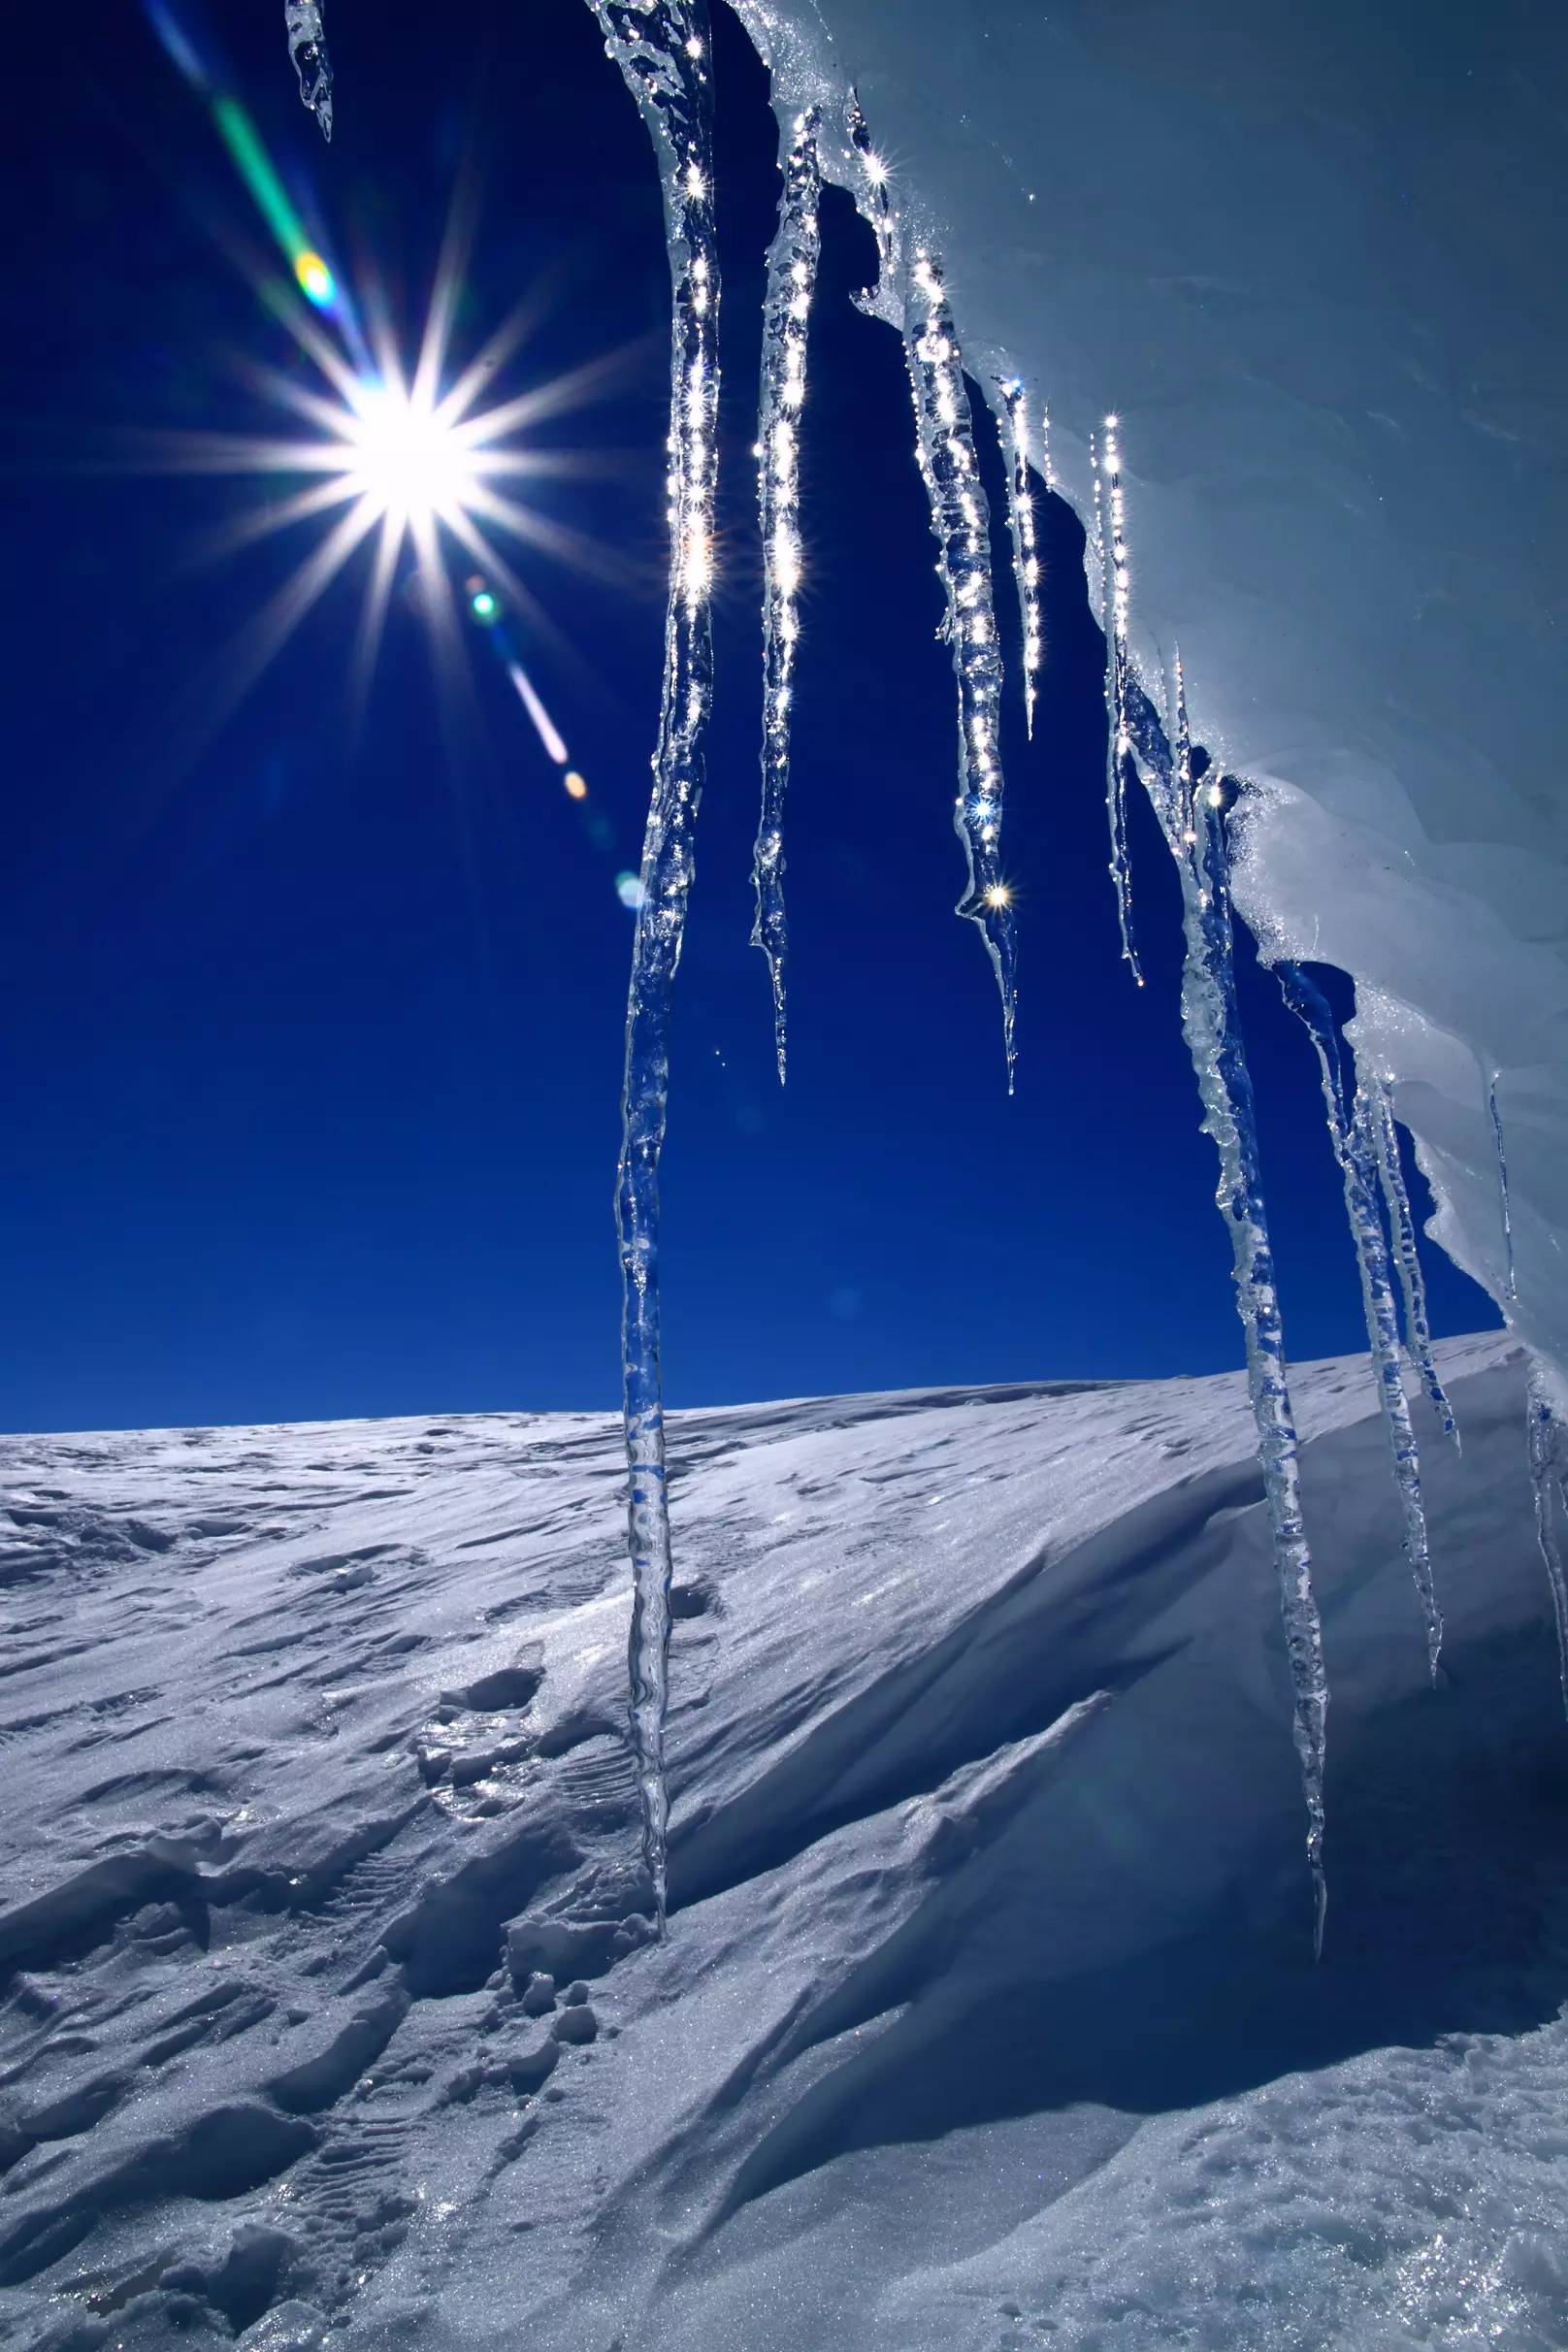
1402,1226
662,47
1018,450
1352,1130
792,277
1292,430
961,526
308,47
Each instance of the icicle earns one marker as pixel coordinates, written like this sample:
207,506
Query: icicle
1211,1024
308,47
1402,1226
1351,1132
1015,442
1116,578
961,525
1173,800
662,49
1502,1181
792,277
1544,1434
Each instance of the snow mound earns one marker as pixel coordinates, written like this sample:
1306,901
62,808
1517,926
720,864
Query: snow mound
987,2014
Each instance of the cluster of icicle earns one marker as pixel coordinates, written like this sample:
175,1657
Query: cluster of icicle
1366,1148
1360,1164
662,49
308,47
1192,815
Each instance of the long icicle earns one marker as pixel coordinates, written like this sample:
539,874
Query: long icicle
1015,440
308,50
792,277
1502,1181
1407,1254
1118,588
961,526
1544,1435
1211,1024
662,47
1351,1133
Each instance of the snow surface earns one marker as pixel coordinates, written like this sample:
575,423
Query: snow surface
988,2016
1307,254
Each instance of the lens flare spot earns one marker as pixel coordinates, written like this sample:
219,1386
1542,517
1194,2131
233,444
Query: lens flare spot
576,788
483,607
316,281
630,891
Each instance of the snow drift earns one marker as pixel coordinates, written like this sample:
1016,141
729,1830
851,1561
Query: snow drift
988,2013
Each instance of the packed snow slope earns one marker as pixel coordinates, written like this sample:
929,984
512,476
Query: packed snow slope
987,2015
1308,253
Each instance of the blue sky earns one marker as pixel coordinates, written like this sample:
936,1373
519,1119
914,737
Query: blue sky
313,1035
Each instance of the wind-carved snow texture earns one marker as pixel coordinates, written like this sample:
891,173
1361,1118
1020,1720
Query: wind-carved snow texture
1015,440
662,49
308,47
961,526
1402,1227
1502,1185
1116,590
1351,1133
1193,819
1547,1461
792,277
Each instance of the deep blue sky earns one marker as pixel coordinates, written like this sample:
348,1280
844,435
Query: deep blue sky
311,1046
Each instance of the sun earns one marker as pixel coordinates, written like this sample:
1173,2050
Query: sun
406,459
403,457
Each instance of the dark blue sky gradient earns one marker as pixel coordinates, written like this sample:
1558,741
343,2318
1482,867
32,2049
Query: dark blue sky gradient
311,1046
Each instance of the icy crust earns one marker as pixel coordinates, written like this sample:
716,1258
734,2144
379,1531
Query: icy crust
328,2019
1307,256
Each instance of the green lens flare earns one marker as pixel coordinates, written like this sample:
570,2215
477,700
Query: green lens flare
243,142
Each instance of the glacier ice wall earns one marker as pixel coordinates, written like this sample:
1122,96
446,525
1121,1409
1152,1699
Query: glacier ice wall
1307,254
